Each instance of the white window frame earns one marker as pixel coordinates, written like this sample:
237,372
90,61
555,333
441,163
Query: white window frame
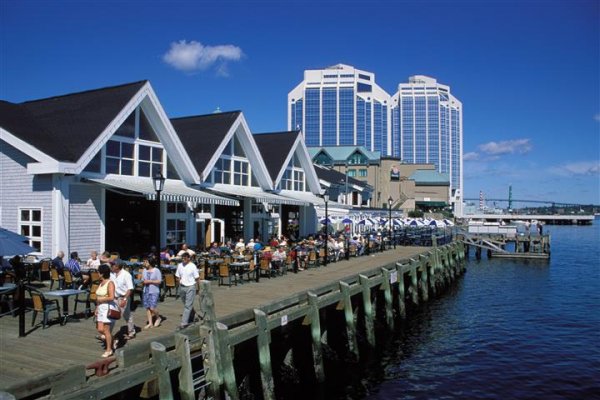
31,224
176,216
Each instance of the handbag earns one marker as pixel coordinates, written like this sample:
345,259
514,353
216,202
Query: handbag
114,313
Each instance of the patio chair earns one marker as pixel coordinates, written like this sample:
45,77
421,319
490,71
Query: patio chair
170,283
94,276
41,304
265,268
90,298
352,250
226,272
44,269
55,277
312,259
70,280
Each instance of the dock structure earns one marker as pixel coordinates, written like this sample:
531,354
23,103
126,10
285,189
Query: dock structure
206,359
503,245
573,219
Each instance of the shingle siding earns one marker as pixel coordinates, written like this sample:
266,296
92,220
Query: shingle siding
21,190
85,215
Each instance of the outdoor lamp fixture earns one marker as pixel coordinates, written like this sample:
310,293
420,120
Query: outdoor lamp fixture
326,198
159,184
390,201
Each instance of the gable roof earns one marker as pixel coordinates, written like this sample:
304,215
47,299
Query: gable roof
429,177
202,135
335,177
64,127
341,153
274,148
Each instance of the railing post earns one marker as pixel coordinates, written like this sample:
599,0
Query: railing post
186,379
210,351
424,272
315,332
401,291
414,287
368,309
227,362
159,358
387,294
349,316
264,354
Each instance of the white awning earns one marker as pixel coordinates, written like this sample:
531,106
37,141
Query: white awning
311,198
257,194
174,190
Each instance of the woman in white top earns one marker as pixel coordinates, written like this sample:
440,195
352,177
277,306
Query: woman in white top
105,299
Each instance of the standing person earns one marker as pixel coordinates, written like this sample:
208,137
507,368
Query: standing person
123,293
105,298
151,278
188,276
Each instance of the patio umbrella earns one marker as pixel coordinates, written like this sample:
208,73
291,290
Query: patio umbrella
347,221
398,222
448,222
365,222
413,223
434,223
11,245
13,235
326,221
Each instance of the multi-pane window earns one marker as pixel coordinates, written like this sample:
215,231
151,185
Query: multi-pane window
30,225
433,129
357,158
420,132
352,173
176,224
296,112
329,117
407,135
360,121
293,177
233,167
346,116
150,160
312,117
119,157
377,125
323,159
362,172
455,145
126,155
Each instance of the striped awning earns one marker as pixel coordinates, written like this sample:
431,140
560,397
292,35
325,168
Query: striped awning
311,198
257,194
174,190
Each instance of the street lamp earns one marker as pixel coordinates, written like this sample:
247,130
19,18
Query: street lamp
326,198
159,184
390,201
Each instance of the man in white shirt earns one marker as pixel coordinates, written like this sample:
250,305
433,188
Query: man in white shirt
124,296
240,246
188,276
185,249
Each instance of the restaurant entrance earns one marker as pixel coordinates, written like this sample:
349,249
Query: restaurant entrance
130,224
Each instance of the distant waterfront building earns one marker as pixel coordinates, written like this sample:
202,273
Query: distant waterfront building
341,106
427,119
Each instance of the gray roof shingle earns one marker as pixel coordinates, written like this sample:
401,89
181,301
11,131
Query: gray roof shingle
274,148
65,126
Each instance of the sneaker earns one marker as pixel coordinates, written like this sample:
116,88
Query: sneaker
107,354
100,338
158,321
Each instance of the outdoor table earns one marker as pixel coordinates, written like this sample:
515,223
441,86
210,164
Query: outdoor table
7,288
240,268
212,264
65,293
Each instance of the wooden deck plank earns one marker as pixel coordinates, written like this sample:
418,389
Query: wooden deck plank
53,349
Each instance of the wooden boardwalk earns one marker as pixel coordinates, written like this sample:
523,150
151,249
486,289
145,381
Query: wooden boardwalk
53,349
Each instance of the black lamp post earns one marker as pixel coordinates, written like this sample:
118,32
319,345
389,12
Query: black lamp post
159,184
390,201
326,198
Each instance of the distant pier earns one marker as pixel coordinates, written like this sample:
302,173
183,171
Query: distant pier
572,219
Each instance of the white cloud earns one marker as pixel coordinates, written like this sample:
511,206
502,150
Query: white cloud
471,156
579,168
520,146
193,56
597,117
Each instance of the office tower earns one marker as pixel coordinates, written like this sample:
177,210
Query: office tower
427,127
341,106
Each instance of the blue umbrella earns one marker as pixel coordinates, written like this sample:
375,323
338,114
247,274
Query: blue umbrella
14,235
11,245
347,221
326,221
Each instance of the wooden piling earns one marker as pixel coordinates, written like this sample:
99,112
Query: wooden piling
186,379
414,287
159,358
386,286
315,332
368,309
264,354
349,316
401,292
227,361
424,272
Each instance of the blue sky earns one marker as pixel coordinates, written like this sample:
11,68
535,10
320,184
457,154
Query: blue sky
527,72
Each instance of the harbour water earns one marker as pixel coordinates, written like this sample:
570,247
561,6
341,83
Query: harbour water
506,330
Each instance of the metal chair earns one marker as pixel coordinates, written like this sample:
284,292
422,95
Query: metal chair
41,304
90,298
44,269
226,272
55,277
170,283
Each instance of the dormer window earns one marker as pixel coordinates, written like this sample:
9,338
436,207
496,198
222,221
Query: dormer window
358,158
293,177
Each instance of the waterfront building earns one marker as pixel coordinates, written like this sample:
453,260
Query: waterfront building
427,128
76,172
341,106
410,186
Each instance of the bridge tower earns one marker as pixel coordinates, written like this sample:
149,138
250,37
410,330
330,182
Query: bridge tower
510,197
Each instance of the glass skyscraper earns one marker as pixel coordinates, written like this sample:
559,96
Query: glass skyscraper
341,106
427,127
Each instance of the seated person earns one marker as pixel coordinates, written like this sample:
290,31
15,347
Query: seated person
250,245
186,249
165,255
57,262
93,262
278,258
73,265
215,250
240,246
